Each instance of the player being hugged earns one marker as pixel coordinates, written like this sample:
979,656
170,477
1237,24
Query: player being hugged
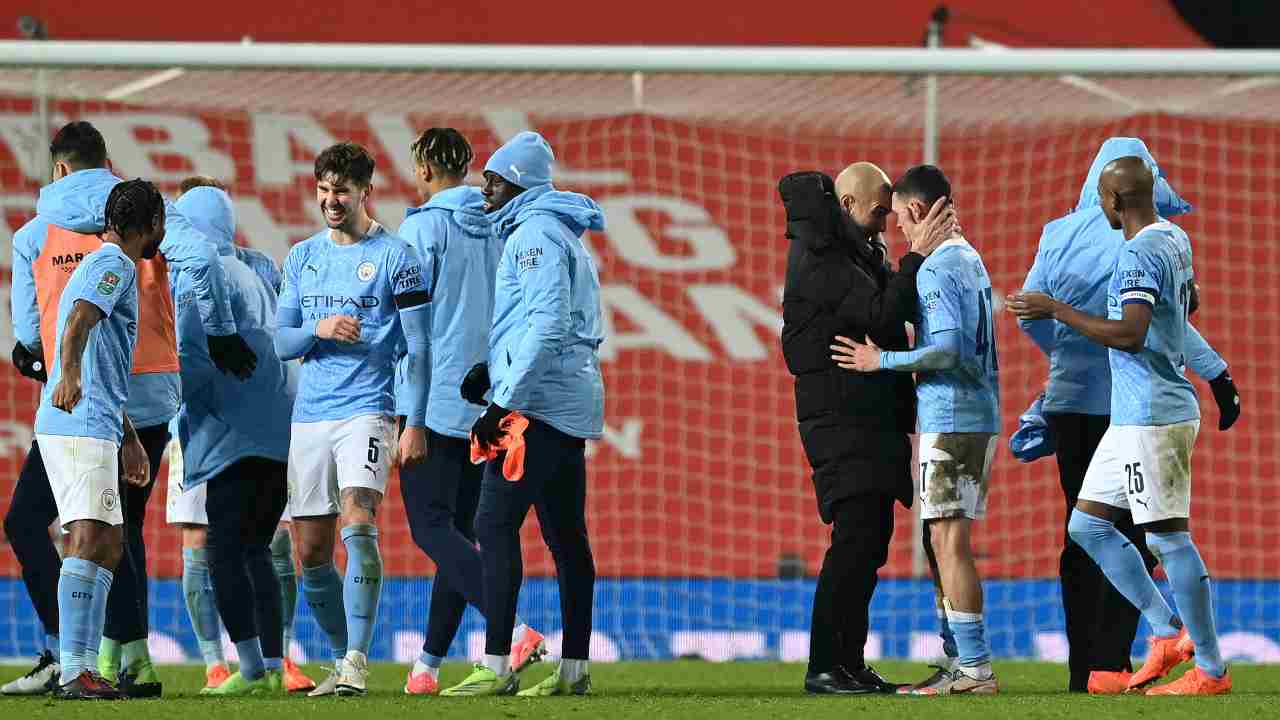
352,293
81,424
545,370
958,398
1143,464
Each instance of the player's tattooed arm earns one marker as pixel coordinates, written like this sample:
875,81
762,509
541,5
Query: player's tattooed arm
1129,333
83,317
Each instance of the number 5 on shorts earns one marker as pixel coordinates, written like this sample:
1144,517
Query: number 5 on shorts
373,450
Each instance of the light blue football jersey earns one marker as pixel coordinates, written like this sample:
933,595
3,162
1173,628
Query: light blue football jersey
955,294
339,381
108,279
1149,387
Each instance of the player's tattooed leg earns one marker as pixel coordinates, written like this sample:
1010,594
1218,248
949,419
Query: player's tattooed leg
361,499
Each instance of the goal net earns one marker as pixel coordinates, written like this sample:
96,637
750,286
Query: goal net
701,508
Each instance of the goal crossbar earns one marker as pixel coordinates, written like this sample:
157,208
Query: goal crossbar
664,59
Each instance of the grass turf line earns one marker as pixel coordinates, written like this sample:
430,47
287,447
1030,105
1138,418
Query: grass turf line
678,689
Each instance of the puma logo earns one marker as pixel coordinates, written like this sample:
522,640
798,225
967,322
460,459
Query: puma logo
516,171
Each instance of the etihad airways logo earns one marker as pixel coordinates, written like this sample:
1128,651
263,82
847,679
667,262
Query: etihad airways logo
312,302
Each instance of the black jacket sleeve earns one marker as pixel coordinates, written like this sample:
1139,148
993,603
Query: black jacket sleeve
868,306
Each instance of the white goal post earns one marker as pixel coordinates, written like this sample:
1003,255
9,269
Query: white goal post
656,59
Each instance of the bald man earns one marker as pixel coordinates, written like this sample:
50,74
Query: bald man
1142,467
855,428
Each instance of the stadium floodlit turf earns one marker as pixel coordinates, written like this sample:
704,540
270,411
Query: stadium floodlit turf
683,689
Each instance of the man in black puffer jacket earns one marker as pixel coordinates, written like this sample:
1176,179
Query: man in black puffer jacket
855,427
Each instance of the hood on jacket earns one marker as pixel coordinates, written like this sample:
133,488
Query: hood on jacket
78,202
578,211
210,211
1168,202
466,207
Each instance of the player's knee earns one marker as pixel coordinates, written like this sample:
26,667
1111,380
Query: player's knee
360,505
950,539
194,537
314,554
1085,529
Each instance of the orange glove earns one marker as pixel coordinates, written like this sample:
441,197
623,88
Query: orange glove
511,442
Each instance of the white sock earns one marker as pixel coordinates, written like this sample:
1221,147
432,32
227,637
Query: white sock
571,671
420,667
978,672
518,632
499,664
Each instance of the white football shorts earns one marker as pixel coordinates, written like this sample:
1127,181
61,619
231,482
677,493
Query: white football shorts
1145,469
325,458
84,474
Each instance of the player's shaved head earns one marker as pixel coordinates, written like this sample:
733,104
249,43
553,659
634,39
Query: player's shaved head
1129,177
864,193
1126,191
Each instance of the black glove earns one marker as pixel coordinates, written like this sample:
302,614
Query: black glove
486,430
1228,399
476,384
29,363
231,354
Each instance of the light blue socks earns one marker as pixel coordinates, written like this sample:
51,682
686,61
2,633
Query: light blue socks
1122,564
362,587
201,607
322,587
1193,593
971,643
78,593
282,563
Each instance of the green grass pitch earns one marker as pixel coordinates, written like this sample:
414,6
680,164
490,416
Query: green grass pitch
683,689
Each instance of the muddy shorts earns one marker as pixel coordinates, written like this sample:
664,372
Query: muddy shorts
1144,469
955,470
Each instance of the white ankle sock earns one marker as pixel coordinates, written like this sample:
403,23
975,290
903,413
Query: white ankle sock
571,671
499,664
978,672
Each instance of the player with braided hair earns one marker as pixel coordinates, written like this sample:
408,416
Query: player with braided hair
442,153
134,207
82,422
460,257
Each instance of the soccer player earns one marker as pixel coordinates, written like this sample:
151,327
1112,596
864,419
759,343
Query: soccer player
1143,464
235,438
352,293
81,424
46,251
543,364
459,254
958,396
1074,263
186,510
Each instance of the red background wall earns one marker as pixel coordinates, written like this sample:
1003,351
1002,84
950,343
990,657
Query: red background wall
1149,23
